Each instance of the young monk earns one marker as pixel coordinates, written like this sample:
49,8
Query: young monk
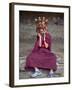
41,56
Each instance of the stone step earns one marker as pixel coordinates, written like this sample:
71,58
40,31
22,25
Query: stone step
25,75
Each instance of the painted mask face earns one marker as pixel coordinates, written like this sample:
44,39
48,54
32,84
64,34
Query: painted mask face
41,27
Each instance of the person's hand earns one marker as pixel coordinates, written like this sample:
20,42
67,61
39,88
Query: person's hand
46,44
39,35
40,42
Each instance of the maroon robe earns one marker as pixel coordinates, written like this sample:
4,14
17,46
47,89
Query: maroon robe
41,57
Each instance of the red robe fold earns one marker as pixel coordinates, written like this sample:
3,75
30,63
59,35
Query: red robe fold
41,57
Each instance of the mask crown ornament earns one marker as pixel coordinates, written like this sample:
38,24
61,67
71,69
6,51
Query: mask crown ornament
41,19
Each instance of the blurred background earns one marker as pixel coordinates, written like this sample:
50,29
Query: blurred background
27,37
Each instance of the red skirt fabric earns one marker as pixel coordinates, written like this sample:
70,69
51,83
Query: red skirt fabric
41,57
